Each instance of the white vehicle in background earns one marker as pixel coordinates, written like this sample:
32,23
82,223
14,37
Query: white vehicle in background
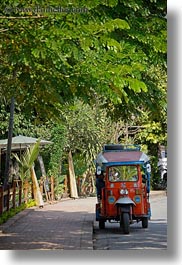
162,165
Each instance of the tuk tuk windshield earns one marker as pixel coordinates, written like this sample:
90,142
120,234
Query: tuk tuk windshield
123,173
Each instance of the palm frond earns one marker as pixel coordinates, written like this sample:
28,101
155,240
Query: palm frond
28,158
33,153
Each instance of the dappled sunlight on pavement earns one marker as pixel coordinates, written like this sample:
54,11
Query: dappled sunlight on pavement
64,225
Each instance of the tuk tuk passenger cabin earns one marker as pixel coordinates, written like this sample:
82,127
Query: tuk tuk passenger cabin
124,197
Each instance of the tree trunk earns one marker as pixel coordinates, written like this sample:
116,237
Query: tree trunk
42,167
36,189
83,182
73,187
93,183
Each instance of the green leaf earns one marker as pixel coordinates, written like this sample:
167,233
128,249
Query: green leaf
136,85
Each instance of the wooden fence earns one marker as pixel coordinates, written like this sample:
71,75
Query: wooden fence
17,193
11,197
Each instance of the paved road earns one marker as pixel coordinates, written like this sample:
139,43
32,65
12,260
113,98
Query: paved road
155,237
68,225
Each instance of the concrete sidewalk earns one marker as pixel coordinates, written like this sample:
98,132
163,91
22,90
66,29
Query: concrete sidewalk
65,225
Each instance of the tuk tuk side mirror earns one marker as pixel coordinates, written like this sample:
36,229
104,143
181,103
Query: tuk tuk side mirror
99,170
148,168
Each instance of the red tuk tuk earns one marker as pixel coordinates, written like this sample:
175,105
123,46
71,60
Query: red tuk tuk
123,186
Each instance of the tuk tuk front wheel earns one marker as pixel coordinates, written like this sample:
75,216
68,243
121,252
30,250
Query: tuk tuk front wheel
101,224
125,223
145,222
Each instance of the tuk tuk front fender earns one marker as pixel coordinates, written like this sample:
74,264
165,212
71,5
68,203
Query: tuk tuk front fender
124,201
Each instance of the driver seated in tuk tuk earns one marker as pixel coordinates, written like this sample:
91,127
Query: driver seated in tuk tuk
100,183
114,175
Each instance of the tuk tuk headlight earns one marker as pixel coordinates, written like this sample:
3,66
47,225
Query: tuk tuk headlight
123,191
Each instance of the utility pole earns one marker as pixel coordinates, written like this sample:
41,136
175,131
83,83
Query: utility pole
8,151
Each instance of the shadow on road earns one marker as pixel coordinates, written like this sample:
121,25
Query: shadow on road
154,237
49,230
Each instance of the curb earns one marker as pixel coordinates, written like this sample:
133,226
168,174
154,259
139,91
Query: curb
15,218
154,193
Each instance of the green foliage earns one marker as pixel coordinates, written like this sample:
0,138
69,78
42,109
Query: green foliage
56,156
59,139
88,129
153,134
28,158
60,66
22,125
12,212
80,164
47,61
59,186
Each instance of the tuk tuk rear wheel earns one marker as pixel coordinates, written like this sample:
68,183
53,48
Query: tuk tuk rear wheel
101,224
145,222
125,223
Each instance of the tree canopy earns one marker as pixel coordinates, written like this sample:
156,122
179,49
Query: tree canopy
108,49
82,66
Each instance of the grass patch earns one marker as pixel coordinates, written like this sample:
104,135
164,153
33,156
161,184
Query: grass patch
7,215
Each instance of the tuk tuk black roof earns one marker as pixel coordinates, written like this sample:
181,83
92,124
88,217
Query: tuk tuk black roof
120,147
